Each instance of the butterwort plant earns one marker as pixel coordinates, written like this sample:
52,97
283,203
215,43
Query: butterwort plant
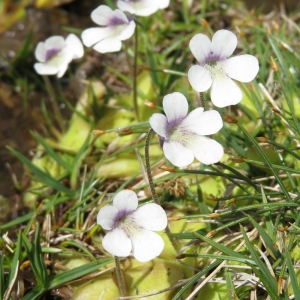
130,228
116,27
183,135
55,54
216,68
142,7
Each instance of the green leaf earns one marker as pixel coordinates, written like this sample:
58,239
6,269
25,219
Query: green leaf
267,239
42,176
195,278
51,152
293,276
65,277
261,270
15,261
230,286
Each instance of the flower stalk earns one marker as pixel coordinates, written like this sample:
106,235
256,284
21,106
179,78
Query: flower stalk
202,101
152,188
120,278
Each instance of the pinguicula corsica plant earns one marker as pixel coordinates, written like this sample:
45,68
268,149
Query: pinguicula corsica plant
133,230
216,68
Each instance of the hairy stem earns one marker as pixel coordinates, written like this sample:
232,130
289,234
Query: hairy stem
152,188
202,101
135,104
148,168
120,278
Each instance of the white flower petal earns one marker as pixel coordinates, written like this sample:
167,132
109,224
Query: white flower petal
146,245
223,44
56,42
126,6
62,69
127,32
158,122
177,154
45,69
225,92
200,47
150,216
142,8
199,78
206,150
242,68
107,216
40,52
175,107
104,15
126,200
163,3
108,45
202,123
117,243
74,45
92,36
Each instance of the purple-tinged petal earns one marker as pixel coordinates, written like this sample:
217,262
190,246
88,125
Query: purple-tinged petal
40,52
223,44
105,16
178,154
56,42
150,216
62,69
74,45
107,216
45,69
158,122
125,201
175,107
206,150
200,47
242,68
108,45
146,245
117,243
202,123
225,92
199,78
92,36
142,8
127,31
163,3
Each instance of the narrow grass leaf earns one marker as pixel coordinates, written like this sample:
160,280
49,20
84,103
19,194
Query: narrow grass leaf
15,260
1,277
264,275
229,284
42,176
195,278
51,152
293,276
267,239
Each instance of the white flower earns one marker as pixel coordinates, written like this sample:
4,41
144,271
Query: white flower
216,69
55,54
131,227
182,134
142,7
116,28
